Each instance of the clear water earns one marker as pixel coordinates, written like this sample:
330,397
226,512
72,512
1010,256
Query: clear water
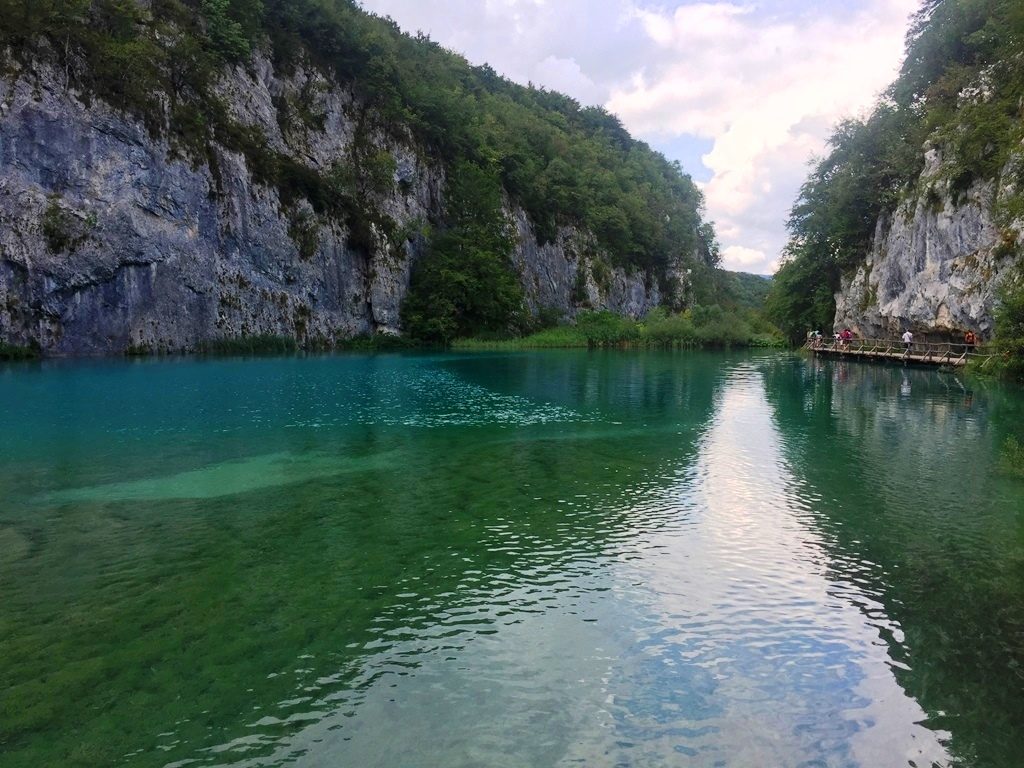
537,559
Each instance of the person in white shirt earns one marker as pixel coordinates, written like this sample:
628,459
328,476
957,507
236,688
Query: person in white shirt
908,339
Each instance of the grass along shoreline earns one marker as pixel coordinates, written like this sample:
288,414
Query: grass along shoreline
696,328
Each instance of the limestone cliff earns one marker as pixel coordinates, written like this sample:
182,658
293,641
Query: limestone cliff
935,263
113,239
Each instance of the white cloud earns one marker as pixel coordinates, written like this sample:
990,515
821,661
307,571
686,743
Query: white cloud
567,76
741,259
766,90
764,82
523,38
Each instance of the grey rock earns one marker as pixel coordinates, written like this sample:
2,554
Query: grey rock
571,273
164,253
934,266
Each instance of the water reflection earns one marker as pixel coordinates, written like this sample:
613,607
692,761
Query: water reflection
751,651
913,485
506,560
711,626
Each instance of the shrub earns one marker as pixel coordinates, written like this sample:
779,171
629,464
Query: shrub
9,352
606,328
663,328
62,229
1009,325
562,337
304,230
377,342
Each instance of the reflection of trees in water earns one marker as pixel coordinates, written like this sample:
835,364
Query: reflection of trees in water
638,386
228,612
904,465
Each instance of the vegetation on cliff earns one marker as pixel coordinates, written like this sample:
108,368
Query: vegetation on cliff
563,163
1009,340
465,283
735,319
960,90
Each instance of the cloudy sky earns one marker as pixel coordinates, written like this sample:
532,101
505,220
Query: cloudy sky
742,92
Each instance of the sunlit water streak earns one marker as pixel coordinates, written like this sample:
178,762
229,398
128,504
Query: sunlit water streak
752,654
527,560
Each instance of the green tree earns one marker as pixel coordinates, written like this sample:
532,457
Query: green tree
1009,323
465,284
226,31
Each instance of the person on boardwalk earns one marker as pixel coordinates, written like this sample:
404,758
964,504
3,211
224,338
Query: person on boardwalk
908,340
970,340
846,336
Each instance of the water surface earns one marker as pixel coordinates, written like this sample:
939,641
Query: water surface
534,559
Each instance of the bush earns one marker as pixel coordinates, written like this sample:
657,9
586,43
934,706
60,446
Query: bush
562,337
661,328
378,342
9,352
304,230
63,230
701,327
1009,326
606,328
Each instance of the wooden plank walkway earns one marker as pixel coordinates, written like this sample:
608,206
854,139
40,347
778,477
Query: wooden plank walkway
926,353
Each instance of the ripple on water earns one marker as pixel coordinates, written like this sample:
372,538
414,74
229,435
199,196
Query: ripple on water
593,593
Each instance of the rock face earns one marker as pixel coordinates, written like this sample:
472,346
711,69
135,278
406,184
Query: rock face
111,239
562,276
934,266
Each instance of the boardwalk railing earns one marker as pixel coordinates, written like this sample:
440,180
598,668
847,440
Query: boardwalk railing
936,353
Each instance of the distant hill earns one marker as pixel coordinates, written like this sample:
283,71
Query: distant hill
746,290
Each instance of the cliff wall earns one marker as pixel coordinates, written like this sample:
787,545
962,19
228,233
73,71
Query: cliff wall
113,239
935,263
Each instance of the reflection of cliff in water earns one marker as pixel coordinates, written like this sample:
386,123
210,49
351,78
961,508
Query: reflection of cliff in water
904,469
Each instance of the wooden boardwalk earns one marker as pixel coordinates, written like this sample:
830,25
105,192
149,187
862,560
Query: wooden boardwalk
926,353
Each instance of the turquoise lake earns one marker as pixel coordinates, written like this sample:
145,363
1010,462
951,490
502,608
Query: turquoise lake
530,559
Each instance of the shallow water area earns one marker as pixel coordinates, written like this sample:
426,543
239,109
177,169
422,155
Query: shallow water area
528,559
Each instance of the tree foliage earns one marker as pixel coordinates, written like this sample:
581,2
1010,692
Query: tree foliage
231,25
1009,341
465,283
